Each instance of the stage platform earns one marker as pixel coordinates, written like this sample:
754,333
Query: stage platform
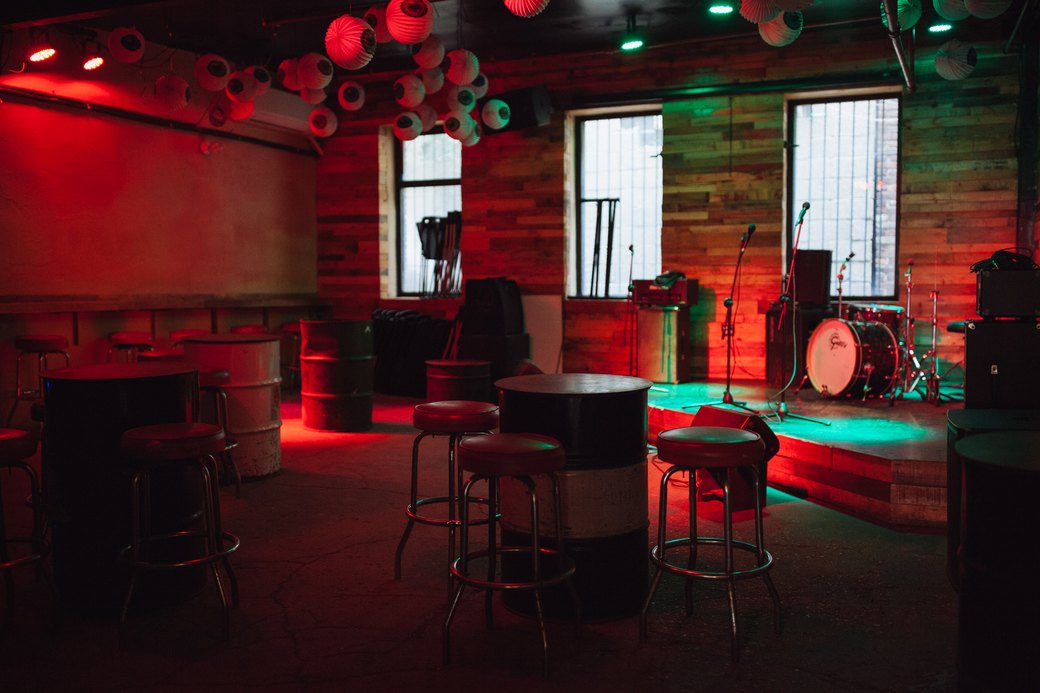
879,461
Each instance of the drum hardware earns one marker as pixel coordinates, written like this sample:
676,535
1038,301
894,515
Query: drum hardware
841,276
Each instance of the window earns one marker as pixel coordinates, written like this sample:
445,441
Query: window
619,202
845,163
428,261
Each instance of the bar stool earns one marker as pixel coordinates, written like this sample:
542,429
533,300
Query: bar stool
149,448
129,343
292,330
720,451
212,383
15,446
161,355
250,329
40,346
520,456
455,419
177,336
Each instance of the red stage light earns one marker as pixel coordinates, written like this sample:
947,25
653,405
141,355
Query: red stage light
93,62
41,52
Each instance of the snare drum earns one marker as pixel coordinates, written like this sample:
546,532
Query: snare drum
892,316
852,359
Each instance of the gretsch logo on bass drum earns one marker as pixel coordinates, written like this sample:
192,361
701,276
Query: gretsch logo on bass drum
836,341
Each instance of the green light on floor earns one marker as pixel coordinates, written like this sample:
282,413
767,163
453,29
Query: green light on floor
721,8
939,28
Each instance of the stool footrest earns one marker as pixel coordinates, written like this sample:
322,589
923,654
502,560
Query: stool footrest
413,512
231,540
567,572
711,574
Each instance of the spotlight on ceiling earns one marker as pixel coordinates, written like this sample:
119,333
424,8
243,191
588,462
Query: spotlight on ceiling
631,40
40,47
92,59
720,8
940,28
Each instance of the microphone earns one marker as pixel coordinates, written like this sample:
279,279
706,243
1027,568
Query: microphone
746,238
801,215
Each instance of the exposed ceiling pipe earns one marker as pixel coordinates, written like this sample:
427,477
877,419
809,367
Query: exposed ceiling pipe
894,33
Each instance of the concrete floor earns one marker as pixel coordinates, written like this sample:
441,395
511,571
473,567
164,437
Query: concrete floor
865,608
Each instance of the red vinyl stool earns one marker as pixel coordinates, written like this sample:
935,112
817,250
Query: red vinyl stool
15,446
250,329
520,456
40,346
130,343
161,355
720,451
455,419
177,336
197,444
292,331
212,383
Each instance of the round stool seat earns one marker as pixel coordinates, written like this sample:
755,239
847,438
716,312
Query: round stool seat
455,416
177,336
130,338
710,446
215,378
249,329
41,342
161,355
511,454
16,444
291,327
174,441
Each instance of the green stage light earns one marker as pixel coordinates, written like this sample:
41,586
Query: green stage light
721,8
939,28
631,40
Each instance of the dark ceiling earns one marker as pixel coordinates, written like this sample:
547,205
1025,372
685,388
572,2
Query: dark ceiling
265,31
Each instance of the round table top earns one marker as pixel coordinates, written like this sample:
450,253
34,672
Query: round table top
572,384
994,419
457,362
120,371
231,338
1013,451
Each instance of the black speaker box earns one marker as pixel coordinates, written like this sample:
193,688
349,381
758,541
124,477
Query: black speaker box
1000,364
812,278
492,307
741,495
784,350
529,108
1007,293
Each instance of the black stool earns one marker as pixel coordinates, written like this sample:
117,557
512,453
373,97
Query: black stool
720,451
40,346
291,330
149,448
212,383
15,446
520,456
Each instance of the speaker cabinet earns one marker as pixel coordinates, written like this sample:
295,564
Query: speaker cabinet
663,343
493,307
529,108
741,494
787,343
812,278
1000,364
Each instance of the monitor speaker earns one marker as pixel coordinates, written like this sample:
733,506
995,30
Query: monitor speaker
812,278
529,108
741,495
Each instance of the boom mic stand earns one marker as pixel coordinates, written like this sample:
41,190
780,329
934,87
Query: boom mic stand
727,332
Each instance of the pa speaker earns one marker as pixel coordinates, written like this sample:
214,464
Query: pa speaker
529,108
1000,369
493,307
741,494
812,278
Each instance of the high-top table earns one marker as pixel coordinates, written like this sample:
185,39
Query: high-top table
86,484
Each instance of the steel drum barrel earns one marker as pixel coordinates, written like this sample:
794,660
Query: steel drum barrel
337,368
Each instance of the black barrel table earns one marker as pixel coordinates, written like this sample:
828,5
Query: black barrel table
601,420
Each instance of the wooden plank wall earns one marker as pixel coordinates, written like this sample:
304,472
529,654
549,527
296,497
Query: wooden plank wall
723,169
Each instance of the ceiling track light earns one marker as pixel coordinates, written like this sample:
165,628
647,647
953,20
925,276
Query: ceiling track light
40,47
632,39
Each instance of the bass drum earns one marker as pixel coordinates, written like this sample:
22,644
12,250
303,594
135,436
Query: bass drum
852,359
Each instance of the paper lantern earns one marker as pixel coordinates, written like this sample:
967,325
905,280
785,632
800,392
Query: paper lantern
473,137
987,9
782,29
907,13
409,21
375,17
240,110
323,121
432,79
461,66
429,53
460,98
351,96
427,115
312,96
126,44
955,60
350,43
951,10
407,126
495,114
262,77
792,5
409,91
526,8
314,71
758,11
212,72
287,74
219,113
480,86
241,86
458,124
172,91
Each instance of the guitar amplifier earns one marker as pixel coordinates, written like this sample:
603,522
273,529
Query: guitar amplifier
1007,293
682,293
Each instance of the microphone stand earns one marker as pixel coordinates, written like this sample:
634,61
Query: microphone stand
727,333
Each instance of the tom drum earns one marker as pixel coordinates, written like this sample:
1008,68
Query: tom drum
852,359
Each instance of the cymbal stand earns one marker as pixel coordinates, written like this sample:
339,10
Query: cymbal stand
930,377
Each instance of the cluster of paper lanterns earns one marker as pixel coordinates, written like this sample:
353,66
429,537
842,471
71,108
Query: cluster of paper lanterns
779,22
237,89
526,8
955,59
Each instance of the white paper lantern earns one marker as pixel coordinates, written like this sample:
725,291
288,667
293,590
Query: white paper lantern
427,115
219,113
461,66
409,21
323,121
495,114
172,91
792,5
375,16
474,137
350,43
409,91
240,110
987,9
241,86
782,29
907,13
126,44
262,77
526,8
351,96
480,85
407,126
951,10
314,71
458,124
312,96
429,53
758,11
460,98
955,60
212,72
287,74
432,79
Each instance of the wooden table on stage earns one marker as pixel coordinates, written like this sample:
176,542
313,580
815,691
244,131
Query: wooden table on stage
86,485
601,420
